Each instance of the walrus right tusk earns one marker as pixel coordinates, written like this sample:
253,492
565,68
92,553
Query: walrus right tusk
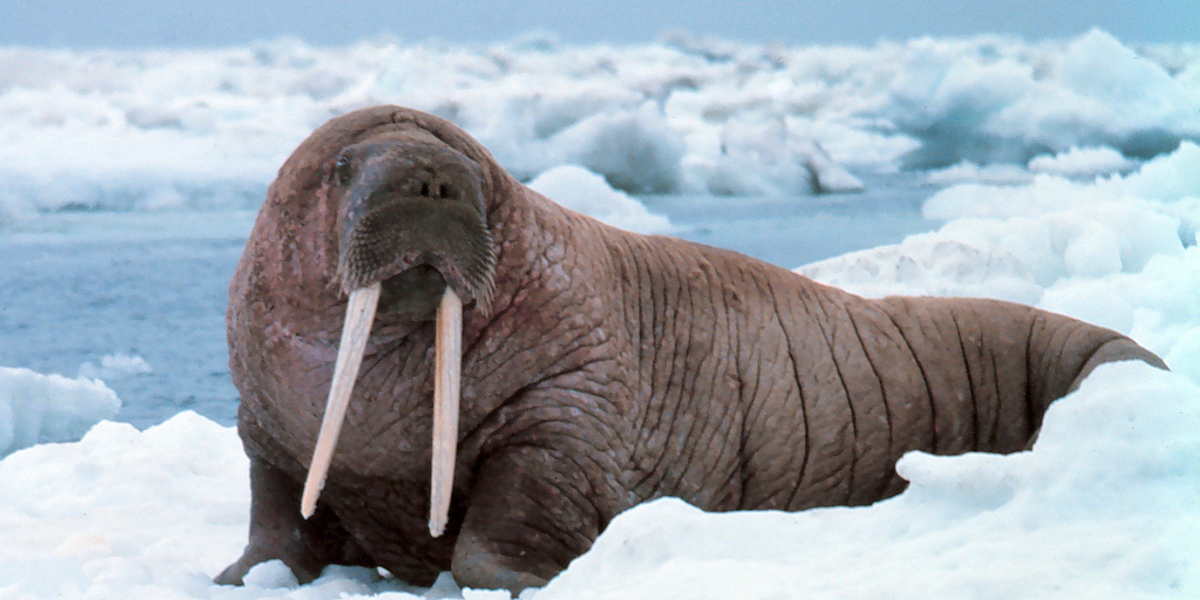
446,381
360,314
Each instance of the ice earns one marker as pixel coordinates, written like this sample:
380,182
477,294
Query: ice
928,266
37,408
580,189
115,366
990,100
1083,162
1120,251
152,130
967,171
635,150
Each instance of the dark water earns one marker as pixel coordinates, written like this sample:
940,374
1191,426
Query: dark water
88,285
62,305
790,232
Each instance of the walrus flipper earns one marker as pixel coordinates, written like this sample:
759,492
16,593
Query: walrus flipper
526,511
542,493
278,531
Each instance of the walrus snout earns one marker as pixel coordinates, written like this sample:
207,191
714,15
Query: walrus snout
412,216
414,293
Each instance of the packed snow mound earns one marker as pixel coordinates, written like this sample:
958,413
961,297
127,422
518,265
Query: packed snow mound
1119,251
580,189
929,266
37,408
186,130
1083,162
1103,507
990,100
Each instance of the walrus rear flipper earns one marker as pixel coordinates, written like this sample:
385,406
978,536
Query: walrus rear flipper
1115,351
1063,351
1068,351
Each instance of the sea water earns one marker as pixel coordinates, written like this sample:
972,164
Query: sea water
80,287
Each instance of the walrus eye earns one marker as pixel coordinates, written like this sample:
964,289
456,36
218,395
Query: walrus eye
341,171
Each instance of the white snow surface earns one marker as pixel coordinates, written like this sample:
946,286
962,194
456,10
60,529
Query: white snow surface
1083,162
1105,505
37,408
199,129
579,189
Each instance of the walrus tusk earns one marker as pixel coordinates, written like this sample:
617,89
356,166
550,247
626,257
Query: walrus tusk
446,379
360,314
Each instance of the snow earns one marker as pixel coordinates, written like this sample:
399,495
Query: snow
37,409
116,366
1069,176
585,191
1083,162
155,130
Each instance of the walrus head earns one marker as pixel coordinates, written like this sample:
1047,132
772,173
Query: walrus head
412,237
412,218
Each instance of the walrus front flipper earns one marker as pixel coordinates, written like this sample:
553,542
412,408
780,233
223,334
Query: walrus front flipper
278,531
528,518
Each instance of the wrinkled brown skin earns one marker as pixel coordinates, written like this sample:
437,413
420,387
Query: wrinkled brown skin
611,368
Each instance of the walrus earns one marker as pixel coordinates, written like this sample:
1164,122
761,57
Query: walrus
580,369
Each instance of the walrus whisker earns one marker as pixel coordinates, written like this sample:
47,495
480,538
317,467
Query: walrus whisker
360,314
447,371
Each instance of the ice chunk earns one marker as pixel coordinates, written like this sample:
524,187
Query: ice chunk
580,189
929,266
37,408
115,366
636,151
969,172
1083,162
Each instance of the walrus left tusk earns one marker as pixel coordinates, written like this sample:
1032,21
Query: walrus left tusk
360,314
446,379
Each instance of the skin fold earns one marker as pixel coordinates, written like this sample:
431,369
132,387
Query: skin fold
600,368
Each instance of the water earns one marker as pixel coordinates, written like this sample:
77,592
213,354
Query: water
790,232
77,286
